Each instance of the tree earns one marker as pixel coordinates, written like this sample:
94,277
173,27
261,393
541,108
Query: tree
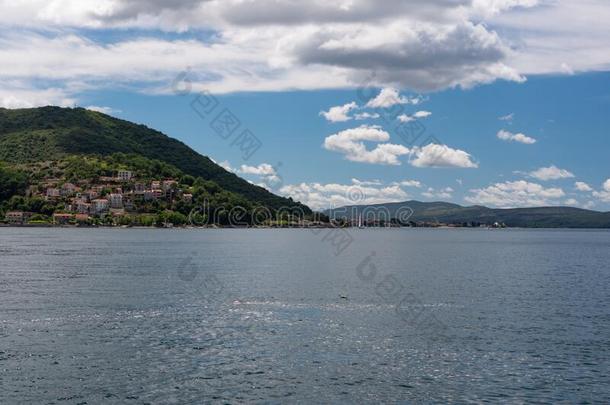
12,182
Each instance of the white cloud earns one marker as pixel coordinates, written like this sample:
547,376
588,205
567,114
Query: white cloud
389,97
521,138
604,194
508,117
405,118
366,116
339,113
260,45
581,186
265,171
323,196
443,194
515,194
226,165
350,142
551,173
366,182
422,114
558,36
417,115
409,183
434,155
571,201
103,109
19,95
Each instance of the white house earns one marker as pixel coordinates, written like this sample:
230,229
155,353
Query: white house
168,184
125,175
68,189
100,205
116,200
53,193
15,217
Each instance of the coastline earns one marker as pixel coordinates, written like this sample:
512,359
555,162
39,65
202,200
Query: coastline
217,227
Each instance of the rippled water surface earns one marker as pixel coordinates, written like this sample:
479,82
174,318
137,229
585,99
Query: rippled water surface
275,316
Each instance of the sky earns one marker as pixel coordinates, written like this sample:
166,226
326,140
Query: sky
502,103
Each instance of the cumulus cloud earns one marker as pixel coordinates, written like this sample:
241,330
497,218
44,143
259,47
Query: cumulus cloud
417,115
559,36
265,171
366,116
226,165
260,45
515,194
339,113
409,183
520,138
604,194
551,173
434,155
323,196
366,182
582,186
443,194
350,143
18,95
389,97
414,56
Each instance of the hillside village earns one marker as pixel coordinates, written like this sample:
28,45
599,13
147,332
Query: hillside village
100,201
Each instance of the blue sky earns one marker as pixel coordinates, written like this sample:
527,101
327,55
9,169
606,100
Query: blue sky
514,108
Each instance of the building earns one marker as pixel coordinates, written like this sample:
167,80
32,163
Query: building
188,198
92,194
99,206
158,194
139,188
155,185
82,207
149,195
168,184
125,175
16,217
62,219
82,218
68,189
128,200
116,200
53,193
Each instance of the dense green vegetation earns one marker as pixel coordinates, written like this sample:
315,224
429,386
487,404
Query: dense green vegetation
210,204
53,133
12,182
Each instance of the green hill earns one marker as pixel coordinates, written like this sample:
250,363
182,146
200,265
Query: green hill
447,213
53,133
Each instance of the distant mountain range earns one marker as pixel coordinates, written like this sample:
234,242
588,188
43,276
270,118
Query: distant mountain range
448,213
54,133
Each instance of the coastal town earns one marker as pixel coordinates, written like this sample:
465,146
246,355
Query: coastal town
103,201
89,191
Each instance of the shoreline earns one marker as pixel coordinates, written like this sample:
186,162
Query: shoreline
219,227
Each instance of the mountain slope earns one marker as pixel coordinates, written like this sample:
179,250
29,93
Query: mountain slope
540,217
48,133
